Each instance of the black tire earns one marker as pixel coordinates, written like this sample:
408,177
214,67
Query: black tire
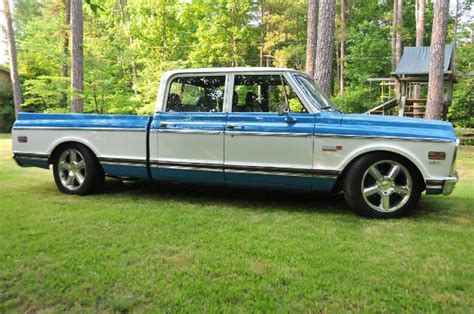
370,197
89,172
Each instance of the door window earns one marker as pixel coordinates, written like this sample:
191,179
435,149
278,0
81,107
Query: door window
196,94
264,93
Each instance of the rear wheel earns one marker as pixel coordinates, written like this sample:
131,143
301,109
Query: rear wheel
77,170
382,185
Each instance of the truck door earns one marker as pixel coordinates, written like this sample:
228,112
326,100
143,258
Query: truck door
189,133
262,146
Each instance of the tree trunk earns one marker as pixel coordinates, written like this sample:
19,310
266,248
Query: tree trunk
420,21
12,55
133,64
342,47
435,81
394,34
262,32
77,82
269,30
312,36
65,49
420,8
399,39
325,44
455,39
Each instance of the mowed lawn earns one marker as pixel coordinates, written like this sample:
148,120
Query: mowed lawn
142,247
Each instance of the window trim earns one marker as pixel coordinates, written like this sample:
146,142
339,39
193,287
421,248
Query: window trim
163,90
289,80
204,74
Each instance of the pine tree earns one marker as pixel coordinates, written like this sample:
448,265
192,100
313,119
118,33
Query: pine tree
12,55
77,62
434,107
312,36
325,44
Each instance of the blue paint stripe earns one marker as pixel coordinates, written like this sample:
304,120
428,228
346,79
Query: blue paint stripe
185,175
321,123
26,119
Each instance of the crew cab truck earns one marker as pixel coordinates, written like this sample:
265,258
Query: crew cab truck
247,127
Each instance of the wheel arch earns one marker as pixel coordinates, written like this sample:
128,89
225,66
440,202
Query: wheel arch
56,147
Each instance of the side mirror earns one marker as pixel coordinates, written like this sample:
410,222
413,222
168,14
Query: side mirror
283,109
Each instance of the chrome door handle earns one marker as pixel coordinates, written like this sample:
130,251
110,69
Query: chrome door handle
166,124
235,126
290,120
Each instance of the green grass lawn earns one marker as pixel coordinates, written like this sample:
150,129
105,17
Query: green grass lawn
141,247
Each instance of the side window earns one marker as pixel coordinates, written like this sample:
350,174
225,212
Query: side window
196,94
264,93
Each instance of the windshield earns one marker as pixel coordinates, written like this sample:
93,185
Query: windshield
314,94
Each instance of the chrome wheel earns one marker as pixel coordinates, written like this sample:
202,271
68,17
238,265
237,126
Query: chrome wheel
386,186
72,169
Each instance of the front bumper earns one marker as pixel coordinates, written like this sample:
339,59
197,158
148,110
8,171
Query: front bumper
449,183
445,186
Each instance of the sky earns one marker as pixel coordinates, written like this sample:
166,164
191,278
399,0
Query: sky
468,16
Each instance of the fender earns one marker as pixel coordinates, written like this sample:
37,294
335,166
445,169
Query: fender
354,154
79,140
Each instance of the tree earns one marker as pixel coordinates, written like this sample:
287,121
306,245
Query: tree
394,34
325,44
65,49
77,61
12,55
312,36
420,8
436,73
399,38
342,47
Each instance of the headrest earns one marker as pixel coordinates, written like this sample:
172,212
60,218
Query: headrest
235,99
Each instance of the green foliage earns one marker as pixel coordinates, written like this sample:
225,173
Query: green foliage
128,45
356,100
461,112
7,111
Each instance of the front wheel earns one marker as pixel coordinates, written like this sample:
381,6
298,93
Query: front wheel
77,170
382,185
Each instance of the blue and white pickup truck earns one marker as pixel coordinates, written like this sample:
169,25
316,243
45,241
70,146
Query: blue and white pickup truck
248,127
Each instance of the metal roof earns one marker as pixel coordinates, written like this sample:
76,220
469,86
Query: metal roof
416,61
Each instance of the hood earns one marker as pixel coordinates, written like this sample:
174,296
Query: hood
396,127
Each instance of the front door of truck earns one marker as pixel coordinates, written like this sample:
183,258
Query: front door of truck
269,134
189,133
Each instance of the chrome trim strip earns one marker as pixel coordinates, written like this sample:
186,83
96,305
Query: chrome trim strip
286,134
128,161
268,173
172,163
217,167
414,139
187,168
77,128
123,164
434,186
186,131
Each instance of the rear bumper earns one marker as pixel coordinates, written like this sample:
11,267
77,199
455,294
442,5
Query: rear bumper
31,160
445,186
